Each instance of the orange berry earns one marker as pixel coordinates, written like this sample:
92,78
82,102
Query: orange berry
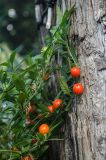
57,103
75,72
51,108
29,157
44,129
78,88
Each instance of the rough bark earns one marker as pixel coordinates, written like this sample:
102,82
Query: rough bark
88,126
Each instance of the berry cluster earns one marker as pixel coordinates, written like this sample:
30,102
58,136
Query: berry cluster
44,128
78,87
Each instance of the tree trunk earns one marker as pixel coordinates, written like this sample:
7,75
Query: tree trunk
85,130
85,127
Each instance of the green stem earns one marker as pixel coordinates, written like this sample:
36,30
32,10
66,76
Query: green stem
55,139
10,151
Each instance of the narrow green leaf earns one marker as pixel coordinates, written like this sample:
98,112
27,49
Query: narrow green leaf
43,149
19,82
64,86
56,125
59,15
43,107
12,57
72,53
5,64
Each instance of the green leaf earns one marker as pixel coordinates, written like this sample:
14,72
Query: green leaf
72,53
5,64
19,83
22,97
1,150
43,149
56,125
64,86
12,57
67,15
9,97
59,15
4,77
43,107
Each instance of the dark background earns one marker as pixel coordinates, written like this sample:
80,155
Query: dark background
19,30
